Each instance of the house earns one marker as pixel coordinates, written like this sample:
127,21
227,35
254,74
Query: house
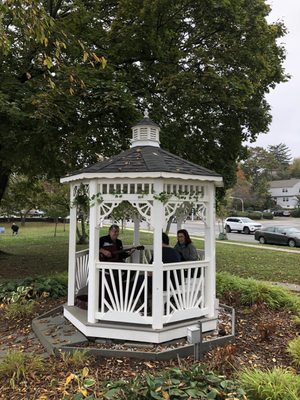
285,192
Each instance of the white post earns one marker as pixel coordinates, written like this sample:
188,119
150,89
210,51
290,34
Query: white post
158,219
210,252
72,248
93,290
136,238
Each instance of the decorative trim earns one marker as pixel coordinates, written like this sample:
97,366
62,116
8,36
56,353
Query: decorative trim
144,209
106,209
216,180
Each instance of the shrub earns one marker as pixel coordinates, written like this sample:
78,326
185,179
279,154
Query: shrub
294,350
275,384
295,213
81,385
34,287
268,215
76,359
20,310
254,215
16,365
175,383
249,291
296,320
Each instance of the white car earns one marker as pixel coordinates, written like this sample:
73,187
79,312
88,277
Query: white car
241,224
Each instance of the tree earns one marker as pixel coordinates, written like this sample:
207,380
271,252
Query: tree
281,153
57,201
124,211
38,82
241,190
258,163
258,169
202,68
23,195
294,168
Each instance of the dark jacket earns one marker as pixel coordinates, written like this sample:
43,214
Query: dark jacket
188,252
106,243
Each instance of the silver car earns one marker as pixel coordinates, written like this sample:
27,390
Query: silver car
279,235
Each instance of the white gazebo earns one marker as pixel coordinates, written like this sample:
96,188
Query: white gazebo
159,185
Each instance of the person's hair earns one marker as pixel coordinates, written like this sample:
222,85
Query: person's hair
165,238
187,238
115,227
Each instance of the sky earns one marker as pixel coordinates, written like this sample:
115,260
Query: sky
285,98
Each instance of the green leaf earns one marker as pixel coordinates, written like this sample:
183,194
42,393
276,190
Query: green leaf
89,382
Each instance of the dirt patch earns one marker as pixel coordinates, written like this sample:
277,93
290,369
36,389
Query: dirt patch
261,340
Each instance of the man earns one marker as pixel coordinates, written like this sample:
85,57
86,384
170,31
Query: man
169,254
14,229
111,248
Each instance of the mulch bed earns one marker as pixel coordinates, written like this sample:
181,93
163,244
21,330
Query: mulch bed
261,340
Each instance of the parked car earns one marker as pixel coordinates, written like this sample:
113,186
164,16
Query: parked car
279,235
241,224
281,213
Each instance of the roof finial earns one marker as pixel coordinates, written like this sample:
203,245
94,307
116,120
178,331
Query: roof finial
146,113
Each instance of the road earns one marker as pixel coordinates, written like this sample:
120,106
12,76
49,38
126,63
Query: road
196,228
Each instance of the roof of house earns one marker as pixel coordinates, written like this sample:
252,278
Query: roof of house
284,183
146,159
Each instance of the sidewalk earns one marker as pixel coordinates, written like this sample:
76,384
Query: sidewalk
291,286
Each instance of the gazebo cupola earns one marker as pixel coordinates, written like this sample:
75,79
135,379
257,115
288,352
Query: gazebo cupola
145,133
159,186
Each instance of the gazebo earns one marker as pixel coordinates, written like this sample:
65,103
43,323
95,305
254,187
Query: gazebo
159,185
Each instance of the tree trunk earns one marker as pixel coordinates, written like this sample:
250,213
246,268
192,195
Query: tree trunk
82,237
55,229
168,225
4,177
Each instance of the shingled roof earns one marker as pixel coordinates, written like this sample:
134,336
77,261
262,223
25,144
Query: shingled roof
146,159
145,156
284,183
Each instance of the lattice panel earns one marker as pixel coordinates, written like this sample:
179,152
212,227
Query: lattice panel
200,211
171,208
106,209
144,209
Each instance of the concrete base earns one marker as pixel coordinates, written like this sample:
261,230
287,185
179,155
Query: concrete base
57,334
134,332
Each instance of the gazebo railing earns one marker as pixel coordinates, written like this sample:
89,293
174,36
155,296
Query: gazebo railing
124,292
125,289
184,290
81,269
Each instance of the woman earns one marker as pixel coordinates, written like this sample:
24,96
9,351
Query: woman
185,246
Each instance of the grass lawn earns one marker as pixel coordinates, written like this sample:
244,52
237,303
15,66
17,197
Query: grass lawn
35,251
259,263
